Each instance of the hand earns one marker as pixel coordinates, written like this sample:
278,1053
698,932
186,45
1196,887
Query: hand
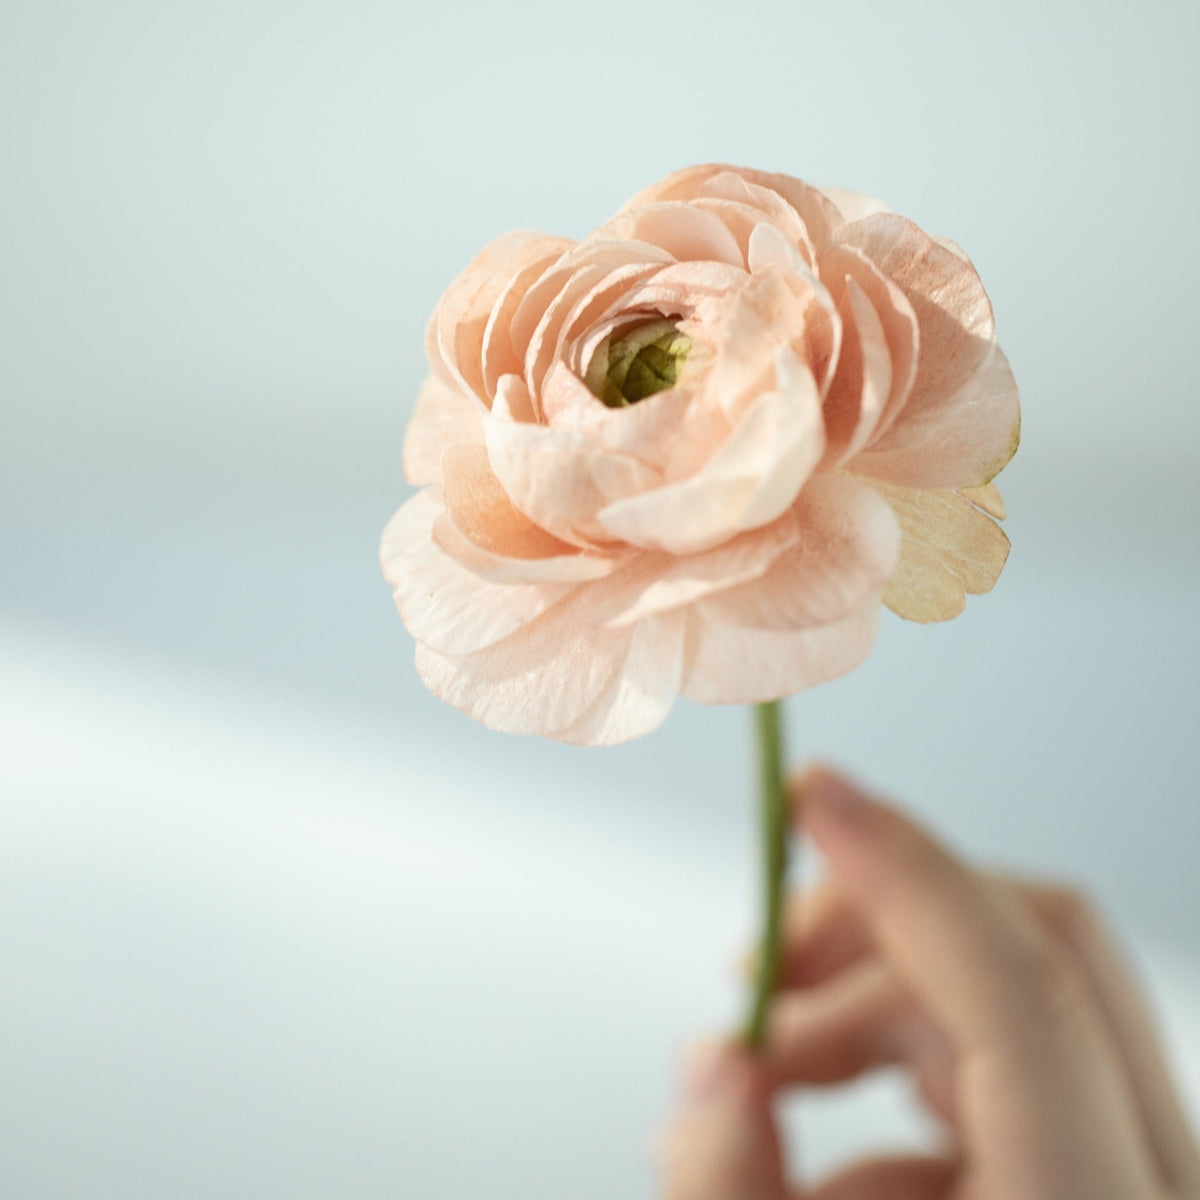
1005,999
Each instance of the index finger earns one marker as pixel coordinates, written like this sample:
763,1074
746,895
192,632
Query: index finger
1032,1046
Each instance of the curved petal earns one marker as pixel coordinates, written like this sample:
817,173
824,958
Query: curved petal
649,431
482,531
818,214
751,480
454,339
498,356
753,324
443,605
949,548
965,441
953,312
960,424
536,320
732,664
855,205
685,231
729,185
444,416
662,583
863,380
574,567
822,337
559,478
847,549
986,496
638,699
549,674
896,316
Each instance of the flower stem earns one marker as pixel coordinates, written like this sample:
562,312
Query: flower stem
774,814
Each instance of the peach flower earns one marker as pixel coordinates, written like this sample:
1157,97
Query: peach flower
694,453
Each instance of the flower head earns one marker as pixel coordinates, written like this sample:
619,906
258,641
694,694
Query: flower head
694,453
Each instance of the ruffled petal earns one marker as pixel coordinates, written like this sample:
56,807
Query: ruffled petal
818,214
559,478
854,206
987,496
841,263
661,583
859,392
498,356
538,318
443,605
960,423
454,339
444,416
964,441
550,674
848,545
638,699
733,664
687,232
949,549
770,250
751,480
576,566
481,509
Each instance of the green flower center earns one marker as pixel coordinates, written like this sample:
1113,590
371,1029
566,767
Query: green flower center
641,361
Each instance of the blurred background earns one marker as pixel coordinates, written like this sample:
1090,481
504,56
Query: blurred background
274,922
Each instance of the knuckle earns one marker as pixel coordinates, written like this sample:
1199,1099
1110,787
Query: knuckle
1056,998
1068,911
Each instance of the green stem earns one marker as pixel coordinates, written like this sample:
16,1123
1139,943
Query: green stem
775,861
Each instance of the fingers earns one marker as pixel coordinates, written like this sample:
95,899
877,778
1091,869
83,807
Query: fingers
891,1179
722,1144
966,953
1032,1047
827,935
824,933
1129,1020
859,1021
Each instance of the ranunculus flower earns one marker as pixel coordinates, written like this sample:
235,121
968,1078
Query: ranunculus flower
694,453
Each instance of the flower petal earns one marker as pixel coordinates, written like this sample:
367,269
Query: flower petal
484,532
660,583
685,231
819,215
549,674
964,441
498,356
822,337
443,605
444,416
639,698
575,567
732,664
751,480
840,263
949,548
847,549
960,423
855,205
987,497
559,478
863,380
454,339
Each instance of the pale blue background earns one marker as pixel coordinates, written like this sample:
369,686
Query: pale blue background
222,228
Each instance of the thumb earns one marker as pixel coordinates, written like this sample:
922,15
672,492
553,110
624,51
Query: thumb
722,1143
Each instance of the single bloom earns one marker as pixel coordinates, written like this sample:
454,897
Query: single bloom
694,454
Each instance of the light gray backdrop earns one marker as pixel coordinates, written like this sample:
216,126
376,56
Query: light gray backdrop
222,227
